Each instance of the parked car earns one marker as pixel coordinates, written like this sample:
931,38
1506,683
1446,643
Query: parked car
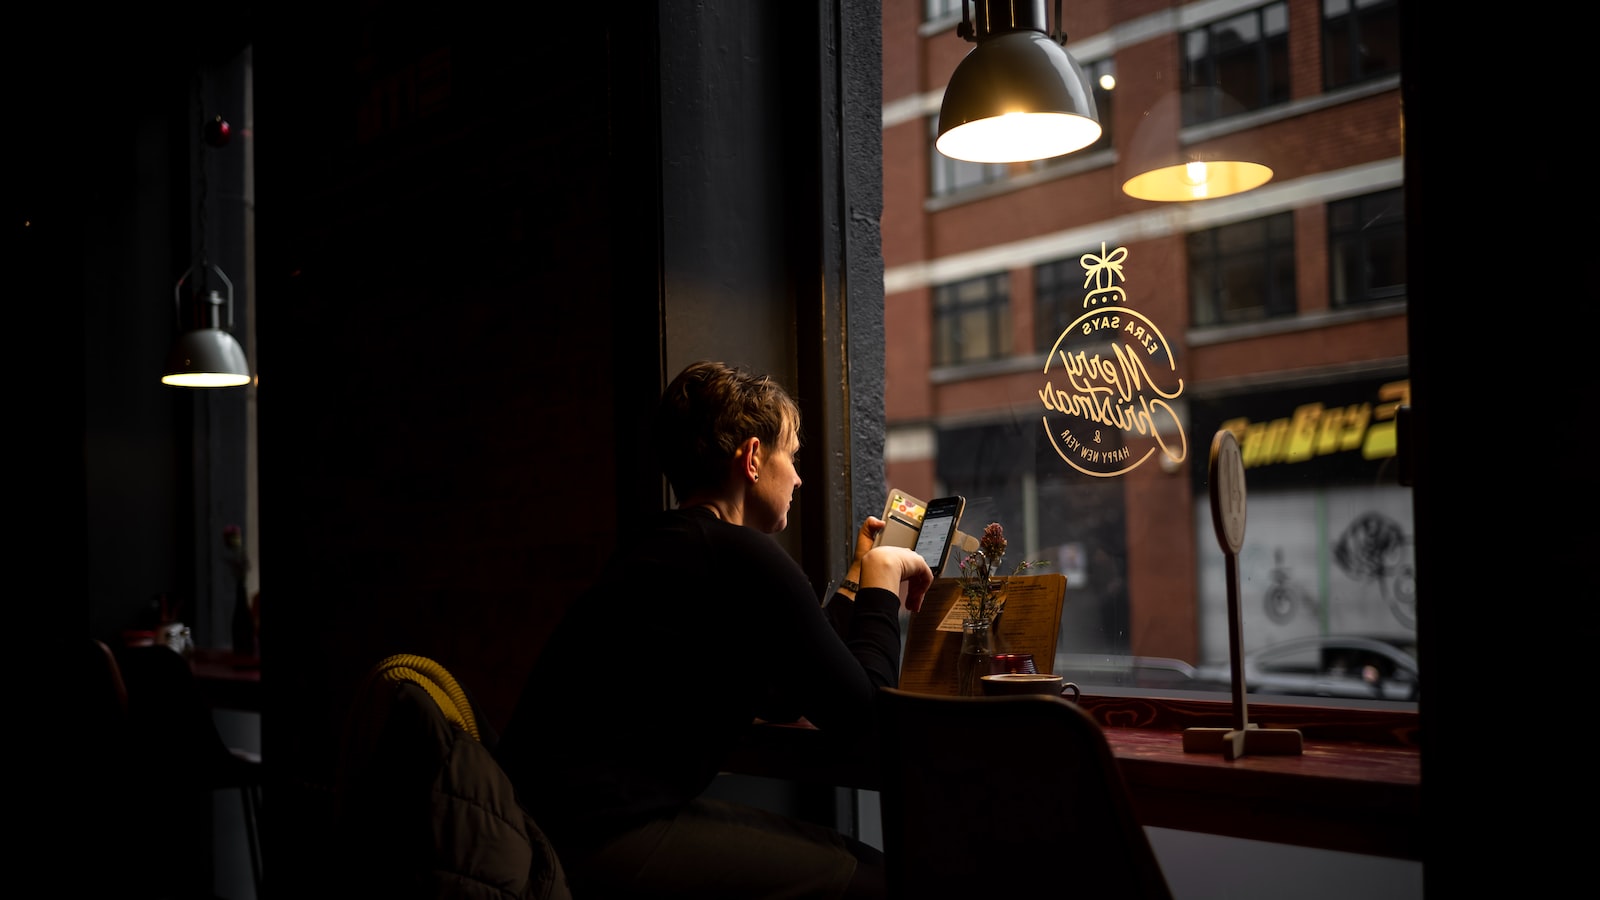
1371,668
1089,670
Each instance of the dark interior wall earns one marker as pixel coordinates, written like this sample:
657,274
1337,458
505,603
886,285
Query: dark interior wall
446,331
477,263
447,334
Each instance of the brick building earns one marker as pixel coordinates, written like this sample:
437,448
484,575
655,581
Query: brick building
1280,314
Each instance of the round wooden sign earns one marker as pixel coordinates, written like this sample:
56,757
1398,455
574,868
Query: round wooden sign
1227,491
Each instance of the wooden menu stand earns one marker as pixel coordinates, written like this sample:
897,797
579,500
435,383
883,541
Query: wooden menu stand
1227,517
1030,623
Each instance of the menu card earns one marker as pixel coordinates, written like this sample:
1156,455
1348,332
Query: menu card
1028,624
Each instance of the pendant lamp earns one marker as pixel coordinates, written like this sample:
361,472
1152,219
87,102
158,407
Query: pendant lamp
1170,171
1018,95
208,356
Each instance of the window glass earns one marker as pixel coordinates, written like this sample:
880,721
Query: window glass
1243,272
1360,40
1057,299
939,10
1236,64
1102,74
948,176
972,320
1366,249
1087,348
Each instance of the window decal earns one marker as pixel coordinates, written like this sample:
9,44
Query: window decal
1111,381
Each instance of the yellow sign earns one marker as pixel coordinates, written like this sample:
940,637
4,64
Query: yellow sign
1314,429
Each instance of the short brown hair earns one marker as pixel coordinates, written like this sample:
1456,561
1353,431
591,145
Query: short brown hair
707,412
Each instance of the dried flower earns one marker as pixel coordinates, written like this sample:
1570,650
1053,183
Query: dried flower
981,591
993,542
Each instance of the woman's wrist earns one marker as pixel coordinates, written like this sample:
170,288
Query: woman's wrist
851,583
878,569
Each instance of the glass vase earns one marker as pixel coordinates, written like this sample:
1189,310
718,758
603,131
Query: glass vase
977,655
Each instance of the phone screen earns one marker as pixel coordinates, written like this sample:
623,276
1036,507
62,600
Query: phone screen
938,529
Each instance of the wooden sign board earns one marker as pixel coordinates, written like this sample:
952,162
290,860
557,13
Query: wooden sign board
1029,624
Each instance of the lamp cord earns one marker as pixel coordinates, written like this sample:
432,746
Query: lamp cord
204,186
204,267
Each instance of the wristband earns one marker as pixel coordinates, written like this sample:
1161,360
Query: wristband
848,585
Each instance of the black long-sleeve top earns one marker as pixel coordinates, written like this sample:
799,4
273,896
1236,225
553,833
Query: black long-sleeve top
696,628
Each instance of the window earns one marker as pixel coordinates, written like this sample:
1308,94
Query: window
1236,64
1102,75
949,176
1242,272
1057,299
1205,301
972,320
1076,526
1360,41
939,10
1367,249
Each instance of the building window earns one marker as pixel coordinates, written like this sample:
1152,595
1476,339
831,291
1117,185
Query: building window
1057,299
1236,64
1102,75
1242,272
949,176
939,10
972,320
1360,41
1076,526
1367,248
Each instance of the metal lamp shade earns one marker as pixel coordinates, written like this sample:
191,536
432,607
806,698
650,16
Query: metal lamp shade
1017,96
1169,172
1197,179
206,357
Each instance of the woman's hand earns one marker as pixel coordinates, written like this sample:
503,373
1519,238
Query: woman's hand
866,538
897,569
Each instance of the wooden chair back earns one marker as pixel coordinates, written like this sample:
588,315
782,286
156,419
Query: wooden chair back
989,796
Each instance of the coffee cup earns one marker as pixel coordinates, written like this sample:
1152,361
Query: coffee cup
1010,683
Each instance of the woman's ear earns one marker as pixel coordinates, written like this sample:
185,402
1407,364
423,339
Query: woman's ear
750,457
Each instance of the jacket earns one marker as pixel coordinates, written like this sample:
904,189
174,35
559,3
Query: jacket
428,810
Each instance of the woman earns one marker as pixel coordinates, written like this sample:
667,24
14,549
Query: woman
706,624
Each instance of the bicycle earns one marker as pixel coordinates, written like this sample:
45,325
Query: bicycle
1283,595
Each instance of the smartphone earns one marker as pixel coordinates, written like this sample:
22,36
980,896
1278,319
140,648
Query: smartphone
902,517
939,530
